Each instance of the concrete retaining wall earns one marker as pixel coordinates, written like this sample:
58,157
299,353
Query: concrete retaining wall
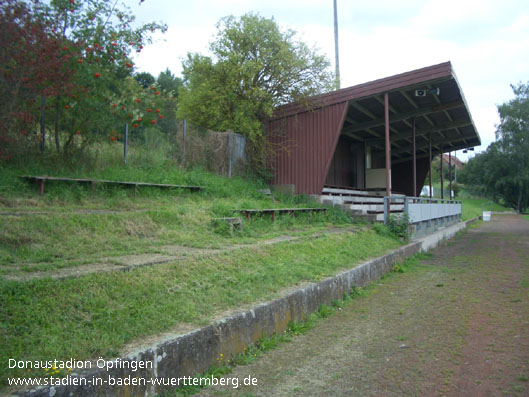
194,352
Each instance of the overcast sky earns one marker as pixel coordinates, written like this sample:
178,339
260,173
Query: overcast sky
487,41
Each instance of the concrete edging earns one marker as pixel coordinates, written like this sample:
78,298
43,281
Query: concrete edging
194,352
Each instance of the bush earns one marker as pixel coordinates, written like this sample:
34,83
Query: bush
397,227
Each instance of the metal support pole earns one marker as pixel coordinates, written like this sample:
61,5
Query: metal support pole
450,174
42,123
388,149
414,163
184,148
430,154
229,154
126,143
441,158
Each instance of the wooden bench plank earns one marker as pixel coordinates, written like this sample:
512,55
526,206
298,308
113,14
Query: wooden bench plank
43,179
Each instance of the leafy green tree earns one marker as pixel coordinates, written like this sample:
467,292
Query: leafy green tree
145,79
503,170
170,86
255,66
169,82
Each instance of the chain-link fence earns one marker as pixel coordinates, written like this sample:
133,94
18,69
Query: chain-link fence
224,153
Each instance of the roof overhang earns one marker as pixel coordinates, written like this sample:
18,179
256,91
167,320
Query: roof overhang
430,97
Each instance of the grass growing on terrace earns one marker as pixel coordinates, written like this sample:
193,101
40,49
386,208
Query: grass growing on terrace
69,226
97,315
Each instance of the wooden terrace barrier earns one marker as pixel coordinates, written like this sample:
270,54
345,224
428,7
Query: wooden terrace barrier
42,179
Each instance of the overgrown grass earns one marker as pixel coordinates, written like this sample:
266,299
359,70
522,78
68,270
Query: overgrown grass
99,314
96,315
70,226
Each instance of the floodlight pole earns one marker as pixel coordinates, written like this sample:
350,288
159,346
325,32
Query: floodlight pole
337,60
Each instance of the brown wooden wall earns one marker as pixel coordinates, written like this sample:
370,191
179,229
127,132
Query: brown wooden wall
303,145
402,176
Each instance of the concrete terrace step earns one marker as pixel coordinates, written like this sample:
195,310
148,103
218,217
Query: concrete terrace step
349,192
373,207
345,189
369,200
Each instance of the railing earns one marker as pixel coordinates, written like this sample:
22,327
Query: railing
419,209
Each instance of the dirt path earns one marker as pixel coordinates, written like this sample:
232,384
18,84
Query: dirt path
455,325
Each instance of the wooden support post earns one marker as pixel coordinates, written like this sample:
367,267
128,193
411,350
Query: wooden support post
430,154
134,190
273,216
388,147
450,174
92,183
248,215
442,179
414,163
42,187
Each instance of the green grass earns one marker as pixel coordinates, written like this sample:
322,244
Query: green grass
266,343
96,315
67,230
473,207
99,314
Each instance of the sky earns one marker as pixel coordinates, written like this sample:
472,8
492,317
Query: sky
487,41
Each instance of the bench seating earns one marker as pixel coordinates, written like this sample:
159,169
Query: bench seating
92,182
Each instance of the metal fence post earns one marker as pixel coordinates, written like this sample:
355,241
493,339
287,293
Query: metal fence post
229,154
184,145
126,143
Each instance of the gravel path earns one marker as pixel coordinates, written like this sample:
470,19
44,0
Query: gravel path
456,325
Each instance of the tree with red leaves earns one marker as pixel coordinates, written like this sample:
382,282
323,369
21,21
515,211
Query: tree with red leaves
71,57
33,63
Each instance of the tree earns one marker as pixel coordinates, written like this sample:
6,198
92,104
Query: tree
104,31
79,62
145,79
169,83
255,66
34,62
503,170
170,86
